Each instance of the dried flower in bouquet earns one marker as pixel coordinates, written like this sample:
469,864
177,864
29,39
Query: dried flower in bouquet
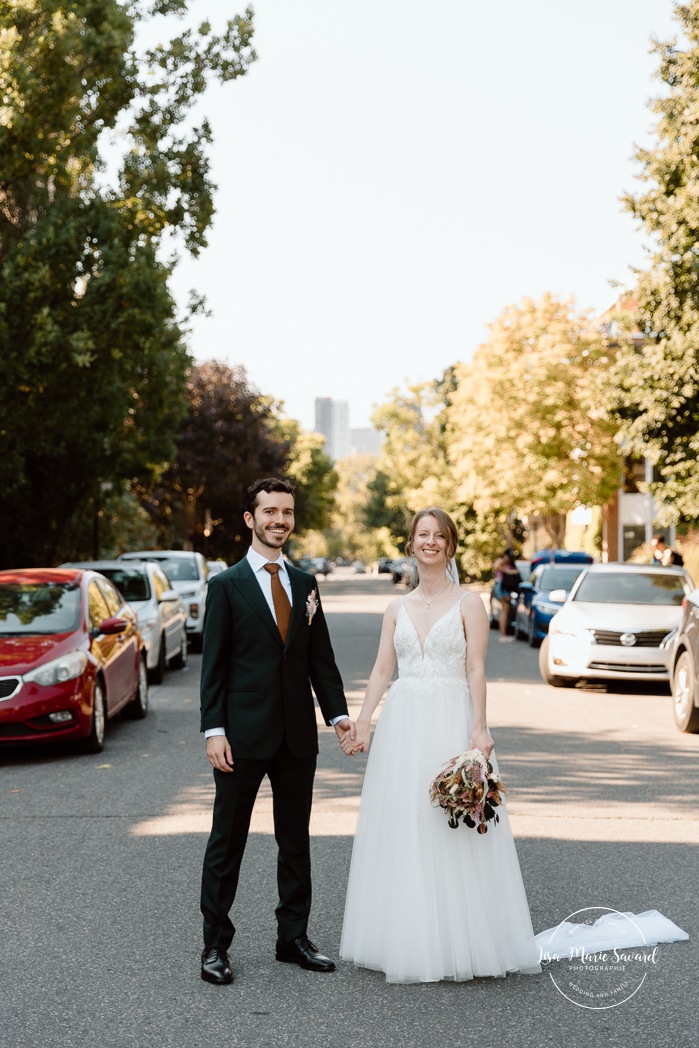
467,788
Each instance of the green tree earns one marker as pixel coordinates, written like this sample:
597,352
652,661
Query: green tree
228,438
92,354
311,471
654,389
526,434
351,536
413,468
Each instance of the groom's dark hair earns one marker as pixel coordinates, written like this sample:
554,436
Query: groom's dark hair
267,485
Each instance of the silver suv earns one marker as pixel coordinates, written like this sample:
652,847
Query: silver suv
189,575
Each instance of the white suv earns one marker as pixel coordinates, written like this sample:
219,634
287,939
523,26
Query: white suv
189,576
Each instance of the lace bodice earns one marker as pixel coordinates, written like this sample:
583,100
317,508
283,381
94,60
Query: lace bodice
444,653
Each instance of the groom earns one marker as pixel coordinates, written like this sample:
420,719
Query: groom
265,642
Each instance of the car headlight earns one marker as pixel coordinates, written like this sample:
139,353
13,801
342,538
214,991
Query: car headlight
550,609
569,630
67,667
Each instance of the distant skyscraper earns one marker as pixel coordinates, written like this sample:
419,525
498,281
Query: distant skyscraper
332,420
366,441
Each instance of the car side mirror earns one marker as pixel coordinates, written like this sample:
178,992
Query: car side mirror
110,626
168,595
558,596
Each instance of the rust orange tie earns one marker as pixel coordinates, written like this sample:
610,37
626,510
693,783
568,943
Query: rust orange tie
282,605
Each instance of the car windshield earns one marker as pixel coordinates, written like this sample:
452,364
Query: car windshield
617,587
558,578
133,585
39,607
179,569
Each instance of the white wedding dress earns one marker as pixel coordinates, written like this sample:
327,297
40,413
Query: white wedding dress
426,902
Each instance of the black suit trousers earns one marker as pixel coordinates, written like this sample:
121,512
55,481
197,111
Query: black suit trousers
291,779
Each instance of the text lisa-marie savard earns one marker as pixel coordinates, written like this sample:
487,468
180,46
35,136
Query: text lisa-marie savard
613,957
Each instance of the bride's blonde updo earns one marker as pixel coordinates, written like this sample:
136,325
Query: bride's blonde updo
446,524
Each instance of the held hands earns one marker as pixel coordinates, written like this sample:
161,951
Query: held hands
351,739
357,743
219,753
482,740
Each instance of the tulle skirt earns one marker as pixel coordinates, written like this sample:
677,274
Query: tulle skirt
426,902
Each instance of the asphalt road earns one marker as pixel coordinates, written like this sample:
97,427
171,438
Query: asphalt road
101,857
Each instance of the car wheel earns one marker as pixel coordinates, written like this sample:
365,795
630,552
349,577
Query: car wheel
138,707
157,674
532,638
94,743
551,678
179,661
683,687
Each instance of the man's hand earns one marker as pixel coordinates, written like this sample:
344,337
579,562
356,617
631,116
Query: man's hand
219,753
359,743
345,731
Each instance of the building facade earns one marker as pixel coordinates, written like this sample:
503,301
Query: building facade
332,422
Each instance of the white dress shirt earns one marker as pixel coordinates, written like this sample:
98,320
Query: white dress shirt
257,563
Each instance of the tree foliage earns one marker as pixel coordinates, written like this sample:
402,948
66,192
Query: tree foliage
525,432
92,355
413,468
312,472
654,390
227,439
351,535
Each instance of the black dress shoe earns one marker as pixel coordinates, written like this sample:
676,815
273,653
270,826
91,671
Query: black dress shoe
215,966
301,951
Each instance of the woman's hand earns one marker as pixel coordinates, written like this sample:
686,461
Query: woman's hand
482,740
360,743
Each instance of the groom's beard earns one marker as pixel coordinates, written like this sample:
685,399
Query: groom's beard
269,538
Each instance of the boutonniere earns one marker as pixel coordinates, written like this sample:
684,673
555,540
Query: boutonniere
312,605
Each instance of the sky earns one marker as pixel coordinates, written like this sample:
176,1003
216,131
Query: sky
392,174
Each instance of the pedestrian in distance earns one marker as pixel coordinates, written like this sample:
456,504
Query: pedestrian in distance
663,554
266,642
507,582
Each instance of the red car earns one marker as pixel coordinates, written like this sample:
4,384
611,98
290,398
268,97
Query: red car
71,657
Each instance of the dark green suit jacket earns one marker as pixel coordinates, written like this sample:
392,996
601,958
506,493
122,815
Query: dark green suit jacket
252,684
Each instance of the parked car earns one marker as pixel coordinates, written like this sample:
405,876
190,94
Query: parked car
189,576
383,565
540,597
359,567
71,657
685,668
619,623
560,556
161,614
400,566
216,567
321,566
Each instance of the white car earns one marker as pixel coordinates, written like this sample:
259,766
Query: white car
216,567
189,574
619,623
160,611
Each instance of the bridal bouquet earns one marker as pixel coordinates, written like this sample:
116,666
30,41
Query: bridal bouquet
468,789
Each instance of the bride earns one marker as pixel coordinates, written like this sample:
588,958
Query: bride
426,902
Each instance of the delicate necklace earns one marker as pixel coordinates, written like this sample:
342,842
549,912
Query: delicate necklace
433,599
